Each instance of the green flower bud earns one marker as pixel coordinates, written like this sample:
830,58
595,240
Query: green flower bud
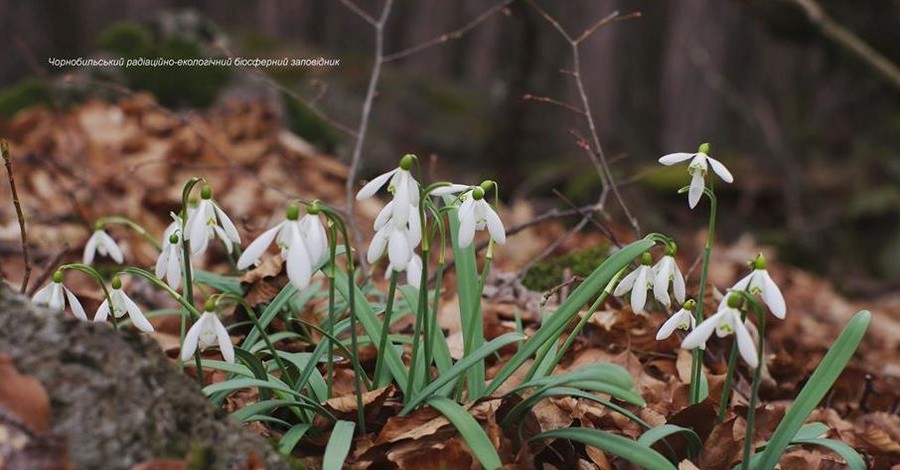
704,148
407,161
478,193
735,300
116,283
98,225
293,211
689,304
488,185
646,259
209,305
759,262
58,276
671,249
206,192
173,238
314,208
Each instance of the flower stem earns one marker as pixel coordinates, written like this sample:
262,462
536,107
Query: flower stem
385,328
754,389
697,354
118,219
331,310
584,319
726,387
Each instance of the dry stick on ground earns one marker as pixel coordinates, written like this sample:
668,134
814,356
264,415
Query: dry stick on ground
596,151
364,117
849,41
7,160
451,35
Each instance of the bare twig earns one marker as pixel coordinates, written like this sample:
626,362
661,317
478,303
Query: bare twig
548,100
448,36
364,117
595,150
849,41
7,160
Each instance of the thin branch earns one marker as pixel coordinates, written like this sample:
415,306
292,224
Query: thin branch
548,100
594,150
448,36
364,122
361,13
7,160
849,41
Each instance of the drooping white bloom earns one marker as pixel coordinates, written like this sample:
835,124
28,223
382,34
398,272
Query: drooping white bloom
208,331
399,238
119,304
681,320
55,294
700,162
403,186
101,242
724,322
303,243
208,220
476,214
638,282
760,282
665,272
171,257
413,271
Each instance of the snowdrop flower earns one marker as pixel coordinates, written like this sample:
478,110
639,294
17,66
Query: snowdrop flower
303,243
666,272
760,282
402,185
725,322
638,282
101,242
450,189
700,162
208,220
476,214
399,238
207,332
170,260
119,304
413,271
681,320
54,295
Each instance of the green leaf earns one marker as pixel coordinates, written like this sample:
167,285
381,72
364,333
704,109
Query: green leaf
230,284
290,439
459,368
472,432
269,314
338,445
815,389
442,357
264,406
853,459
556,324
636,453
256,366
658,433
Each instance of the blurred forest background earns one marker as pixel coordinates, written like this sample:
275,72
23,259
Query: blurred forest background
810,131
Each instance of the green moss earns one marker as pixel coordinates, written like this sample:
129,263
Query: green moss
303,122
28,92
548,274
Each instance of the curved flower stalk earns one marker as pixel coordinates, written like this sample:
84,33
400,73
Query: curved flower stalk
759,282
55,294
303,243
208,220
700,163
680,320
638,282
666,272
725,322
119,304
207,331
100,242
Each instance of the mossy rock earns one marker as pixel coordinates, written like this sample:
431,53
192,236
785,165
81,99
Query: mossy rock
28,92
548,274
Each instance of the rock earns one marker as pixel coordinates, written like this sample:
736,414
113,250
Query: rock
116,399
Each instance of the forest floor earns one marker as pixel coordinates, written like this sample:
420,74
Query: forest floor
131,158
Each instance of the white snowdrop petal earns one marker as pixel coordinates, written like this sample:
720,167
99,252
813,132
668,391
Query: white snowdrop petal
674,158
379,243
373,186
449,190
225,346
639,291
76,306
465,208
771,294
414,271
227,225
192,338
701,333
134,312
661,285
298,264
258,247
745,344
384,216
625,284
466,228
42,296
112,248
668,327
399,250
494,225
696,190
226,241
90,249
678,284
162,262
56,301
102,311
720,170
400,209
743,284
173,270
414,234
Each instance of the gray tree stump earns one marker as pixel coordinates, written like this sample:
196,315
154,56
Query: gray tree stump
116,399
